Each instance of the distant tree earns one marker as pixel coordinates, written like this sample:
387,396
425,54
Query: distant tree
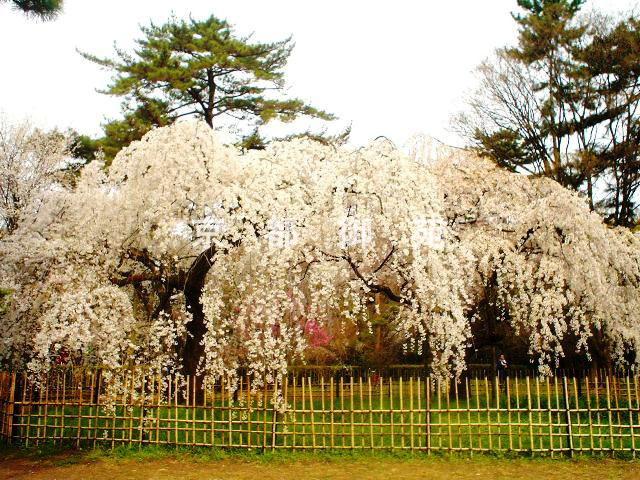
611,65
202,69
42,9
29,162
563,103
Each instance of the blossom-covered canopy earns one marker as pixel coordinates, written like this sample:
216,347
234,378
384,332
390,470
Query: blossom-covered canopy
116,272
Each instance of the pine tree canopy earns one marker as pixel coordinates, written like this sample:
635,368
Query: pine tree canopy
43,9
537,7
201,68
546,29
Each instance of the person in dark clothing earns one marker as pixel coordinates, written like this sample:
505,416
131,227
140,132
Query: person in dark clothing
502,367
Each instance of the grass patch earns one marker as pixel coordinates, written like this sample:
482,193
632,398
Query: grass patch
63,456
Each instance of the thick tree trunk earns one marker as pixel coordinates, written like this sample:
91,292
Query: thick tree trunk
193,349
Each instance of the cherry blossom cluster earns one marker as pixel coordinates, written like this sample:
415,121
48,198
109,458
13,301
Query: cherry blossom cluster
111,272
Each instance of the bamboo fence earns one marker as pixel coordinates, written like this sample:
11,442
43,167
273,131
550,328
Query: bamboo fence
561,415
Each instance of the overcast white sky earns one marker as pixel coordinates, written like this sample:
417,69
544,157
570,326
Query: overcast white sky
390,68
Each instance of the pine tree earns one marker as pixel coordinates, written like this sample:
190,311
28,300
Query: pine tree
546,41
203,69
42,9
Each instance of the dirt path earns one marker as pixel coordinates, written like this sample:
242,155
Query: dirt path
12,467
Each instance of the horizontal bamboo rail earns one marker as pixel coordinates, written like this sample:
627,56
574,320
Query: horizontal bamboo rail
564,415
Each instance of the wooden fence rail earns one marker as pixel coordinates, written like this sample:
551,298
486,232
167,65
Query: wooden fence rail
551,416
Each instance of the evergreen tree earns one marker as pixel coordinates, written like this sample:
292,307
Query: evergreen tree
202,69
611,62
43,9
546,40
564,103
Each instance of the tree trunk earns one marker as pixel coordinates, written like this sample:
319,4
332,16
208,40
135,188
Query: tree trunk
193,349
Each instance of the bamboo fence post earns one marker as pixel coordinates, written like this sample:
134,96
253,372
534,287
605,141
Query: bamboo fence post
93,421
391,412
539,408
143,395
132,403
498,420
23,406
95,393
64,402
194,408
362,412
169,397
186,410
239,394
353,440
274,414
57,408
449,437
419,424
248,383
427,385
530,416
97,416
412,444
124,408
568,414
113,415
229,396
313,425
439,409
635,391
578,410
304,422
380,411
342,429
324,418
467,386
599,419
518,415
331,415
455,388
157,386
213,413
295,413
611,443
39,403
508,389
630,405
371,444
79,397
265,411
589,415
402,432
224,412
615,397
206,411
488,401
477,412
558,410
46,407
175,408
286,406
